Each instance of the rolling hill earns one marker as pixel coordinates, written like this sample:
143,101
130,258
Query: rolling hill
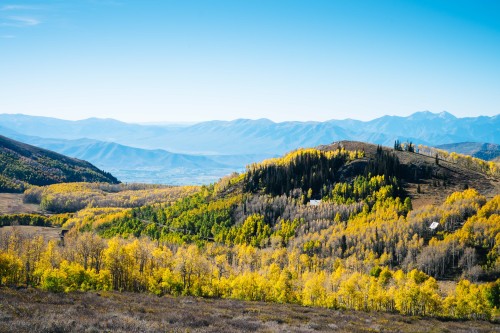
436,181
110,154
22,164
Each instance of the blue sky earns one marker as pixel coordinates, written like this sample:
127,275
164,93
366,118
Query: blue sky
184,60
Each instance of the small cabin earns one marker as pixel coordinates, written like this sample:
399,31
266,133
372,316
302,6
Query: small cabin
434,226
314,202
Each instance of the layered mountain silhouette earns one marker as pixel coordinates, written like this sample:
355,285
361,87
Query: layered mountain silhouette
230,145
263,136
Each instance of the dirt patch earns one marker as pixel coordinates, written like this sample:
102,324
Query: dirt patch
12,203
48,233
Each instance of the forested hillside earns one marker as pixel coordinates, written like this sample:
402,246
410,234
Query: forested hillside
333,227
22,165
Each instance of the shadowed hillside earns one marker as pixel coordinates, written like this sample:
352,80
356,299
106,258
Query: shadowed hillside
22,164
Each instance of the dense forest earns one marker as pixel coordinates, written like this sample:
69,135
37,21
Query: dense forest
393,266
258,236
306,169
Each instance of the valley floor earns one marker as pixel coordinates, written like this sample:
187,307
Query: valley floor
32,310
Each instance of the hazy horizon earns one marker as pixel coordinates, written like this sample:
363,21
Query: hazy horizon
188,123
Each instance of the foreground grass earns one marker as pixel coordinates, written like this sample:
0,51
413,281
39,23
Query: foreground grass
32,310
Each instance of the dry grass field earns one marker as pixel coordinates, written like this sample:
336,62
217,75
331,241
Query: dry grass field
31,310
12,203
48,233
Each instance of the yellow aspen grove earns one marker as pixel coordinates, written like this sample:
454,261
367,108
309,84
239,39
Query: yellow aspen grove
361,248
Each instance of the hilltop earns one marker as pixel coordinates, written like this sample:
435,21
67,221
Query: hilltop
435,180
22,164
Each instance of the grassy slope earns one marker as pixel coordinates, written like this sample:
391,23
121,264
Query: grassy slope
27,310
48,233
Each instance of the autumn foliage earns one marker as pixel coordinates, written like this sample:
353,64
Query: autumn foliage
247,237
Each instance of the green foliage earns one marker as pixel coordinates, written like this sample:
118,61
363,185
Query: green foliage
11,185
398,146
375,271
25,219
362,188
195,217
492,294
253,232
286,230
384,163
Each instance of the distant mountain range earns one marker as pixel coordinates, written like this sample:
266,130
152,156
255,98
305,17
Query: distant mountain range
22,164
131,164
135,152
262,136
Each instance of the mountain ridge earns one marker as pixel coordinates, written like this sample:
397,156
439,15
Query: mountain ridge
22,164
247,136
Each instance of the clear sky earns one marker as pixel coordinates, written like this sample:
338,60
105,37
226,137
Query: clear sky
184,60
